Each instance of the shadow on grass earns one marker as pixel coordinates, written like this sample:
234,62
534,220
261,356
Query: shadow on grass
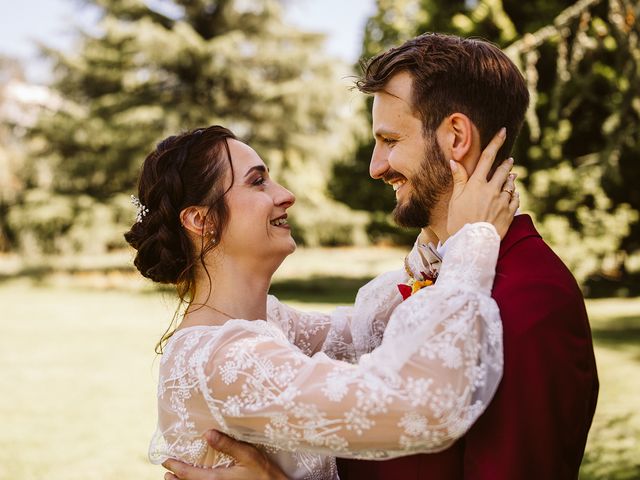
618,332
598,286
319,289
39,274
35,274
315,289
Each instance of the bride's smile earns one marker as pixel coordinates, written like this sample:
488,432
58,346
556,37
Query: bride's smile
257,208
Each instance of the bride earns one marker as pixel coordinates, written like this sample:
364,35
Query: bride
212,222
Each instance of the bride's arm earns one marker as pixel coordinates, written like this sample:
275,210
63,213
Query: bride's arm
350,331
312,331
433,375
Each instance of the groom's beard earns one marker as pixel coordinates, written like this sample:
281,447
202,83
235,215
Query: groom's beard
432,180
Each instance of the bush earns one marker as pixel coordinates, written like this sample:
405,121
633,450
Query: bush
47,223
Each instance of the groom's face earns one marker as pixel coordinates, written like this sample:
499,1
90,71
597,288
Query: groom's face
405,157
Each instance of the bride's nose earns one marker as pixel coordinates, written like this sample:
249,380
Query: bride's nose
284,198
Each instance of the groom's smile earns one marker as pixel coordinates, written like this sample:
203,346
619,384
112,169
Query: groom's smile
397,184
396,181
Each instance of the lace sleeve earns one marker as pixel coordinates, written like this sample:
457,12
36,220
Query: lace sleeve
432,376
350,331
312,332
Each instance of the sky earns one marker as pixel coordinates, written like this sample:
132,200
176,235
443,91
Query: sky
25,22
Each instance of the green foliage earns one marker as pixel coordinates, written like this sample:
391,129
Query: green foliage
54,223
12,154
146,74
583,134
577,154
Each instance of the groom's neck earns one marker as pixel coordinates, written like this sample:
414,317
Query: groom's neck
436,231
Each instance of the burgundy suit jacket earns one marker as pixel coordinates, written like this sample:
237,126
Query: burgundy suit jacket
536,425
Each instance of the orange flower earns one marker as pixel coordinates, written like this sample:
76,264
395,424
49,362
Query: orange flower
418,284
408,289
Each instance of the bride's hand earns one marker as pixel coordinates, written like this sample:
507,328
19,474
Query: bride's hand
474,199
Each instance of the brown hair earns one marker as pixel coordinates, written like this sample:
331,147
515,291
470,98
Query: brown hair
452,74
184,170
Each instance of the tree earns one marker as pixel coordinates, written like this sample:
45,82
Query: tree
11,146
576,154
147,73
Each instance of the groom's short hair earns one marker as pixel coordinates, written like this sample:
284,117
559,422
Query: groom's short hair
452,74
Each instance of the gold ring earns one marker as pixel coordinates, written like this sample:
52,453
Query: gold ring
510,192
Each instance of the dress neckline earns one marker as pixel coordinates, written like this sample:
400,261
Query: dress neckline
207,327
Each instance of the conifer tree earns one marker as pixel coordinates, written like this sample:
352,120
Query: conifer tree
11,145
147,72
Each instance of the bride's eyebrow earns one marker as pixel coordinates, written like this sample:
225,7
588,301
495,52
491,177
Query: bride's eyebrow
258,168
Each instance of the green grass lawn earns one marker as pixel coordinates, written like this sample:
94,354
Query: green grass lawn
78,376
613,449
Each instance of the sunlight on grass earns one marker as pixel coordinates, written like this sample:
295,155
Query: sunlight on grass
78,383
79,371
613,449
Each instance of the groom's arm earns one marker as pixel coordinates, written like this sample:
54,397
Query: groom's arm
251,463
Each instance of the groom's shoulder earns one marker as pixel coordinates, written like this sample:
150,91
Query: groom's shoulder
526,259
533,288
522,238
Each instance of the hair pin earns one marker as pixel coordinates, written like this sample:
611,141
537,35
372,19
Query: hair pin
141,210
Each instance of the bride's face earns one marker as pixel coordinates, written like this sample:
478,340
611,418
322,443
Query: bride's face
258,206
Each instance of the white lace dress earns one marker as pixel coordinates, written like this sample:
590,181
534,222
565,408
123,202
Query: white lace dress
277,383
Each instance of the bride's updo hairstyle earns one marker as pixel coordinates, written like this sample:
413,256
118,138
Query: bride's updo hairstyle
184,170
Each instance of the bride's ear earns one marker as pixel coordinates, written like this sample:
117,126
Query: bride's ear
194,220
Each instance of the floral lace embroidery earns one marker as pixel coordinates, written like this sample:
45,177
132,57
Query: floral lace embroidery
436,368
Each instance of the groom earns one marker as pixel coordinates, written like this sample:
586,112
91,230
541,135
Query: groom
436,98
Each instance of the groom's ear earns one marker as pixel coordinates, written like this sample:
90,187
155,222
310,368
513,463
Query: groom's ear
461,140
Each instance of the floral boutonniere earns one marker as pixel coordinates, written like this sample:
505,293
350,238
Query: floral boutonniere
413,285
429,257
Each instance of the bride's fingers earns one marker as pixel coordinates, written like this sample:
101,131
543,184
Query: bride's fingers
460,178
514,203
501,175
489,155
182,471
509,185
